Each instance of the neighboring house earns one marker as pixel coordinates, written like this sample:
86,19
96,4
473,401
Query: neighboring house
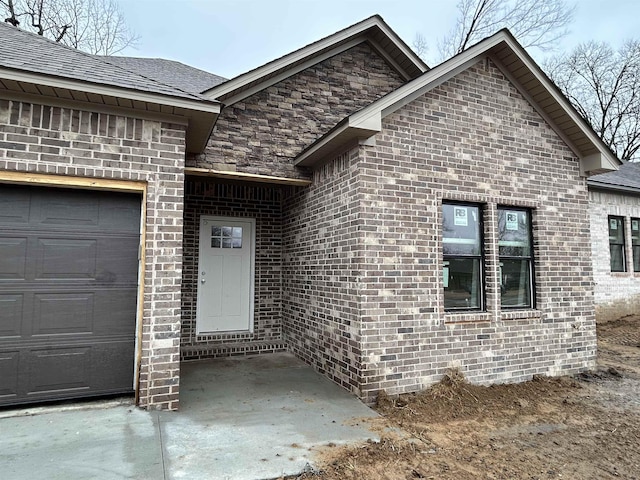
615,231
381,220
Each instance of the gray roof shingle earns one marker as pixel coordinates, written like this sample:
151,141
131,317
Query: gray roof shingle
626,177
169,72
25,51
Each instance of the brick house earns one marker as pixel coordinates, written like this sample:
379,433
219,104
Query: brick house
381,220
615,241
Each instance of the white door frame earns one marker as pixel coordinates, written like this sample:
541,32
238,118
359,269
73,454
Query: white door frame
218,218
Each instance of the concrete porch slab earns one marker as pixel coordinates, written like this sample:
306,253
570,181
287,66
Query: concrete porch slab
243,418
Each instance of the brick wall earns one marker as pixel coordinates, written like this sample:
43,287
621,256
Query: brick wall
80,143
475,139
616,293
322,270
363,282
263,203
263,133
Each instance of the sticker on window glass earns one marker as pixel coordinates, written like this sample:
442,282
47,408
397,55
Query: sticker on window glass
512,220
445,274
613,224
460,216
635,225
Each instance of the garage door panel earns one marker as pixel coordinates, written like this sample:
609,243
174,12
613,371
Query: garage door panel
123,218
13,256
66,259
11,309
68,293
59,370
113,312
65,210
63,313
78,371
15,205
9,362
116,257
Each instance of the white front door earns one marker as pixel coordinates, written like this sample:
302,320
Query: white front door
225,275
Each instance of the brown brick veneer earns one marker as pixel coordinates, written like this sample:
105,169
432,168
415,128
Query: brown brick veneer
263,203
81,143
363,288
263,133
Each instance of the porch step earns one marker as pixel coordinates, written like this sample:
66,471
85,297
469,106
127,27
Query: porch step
196,352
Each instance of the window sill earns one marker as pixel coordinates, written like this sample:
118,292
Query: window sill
519,314
467,317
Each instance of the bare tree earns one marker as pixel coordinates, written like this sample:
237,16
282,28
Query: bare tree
94,26
603,84
535,23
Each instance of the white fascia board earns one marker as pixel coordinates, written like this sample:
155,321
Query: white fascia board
596,163
356,31
607,158
289,59
389,60
210,106
287,73
340,136
412,90
401,46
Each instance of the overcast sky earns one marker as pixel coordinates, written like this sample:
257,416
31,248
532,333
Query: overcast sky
233,36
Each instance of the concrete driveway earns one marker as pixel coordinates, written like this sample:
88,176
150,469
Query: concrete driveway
240,418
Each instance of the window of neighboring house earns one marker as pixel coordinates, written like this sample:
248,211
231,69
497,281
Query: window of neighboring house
516,258
462,253
635,243
616,244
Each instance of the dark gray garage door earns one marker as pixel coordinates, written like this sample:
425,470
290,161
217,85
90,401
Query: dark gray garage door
68,275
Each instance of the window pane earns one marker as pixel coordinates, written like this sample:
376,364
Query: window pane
226,231
636,258
515,283
616,244
617,258
513,233
635,231
461,230
462,287
616,230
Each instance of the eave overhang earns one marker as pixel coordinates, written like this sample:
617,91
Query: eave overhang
502,48
594,185
373,30
199,114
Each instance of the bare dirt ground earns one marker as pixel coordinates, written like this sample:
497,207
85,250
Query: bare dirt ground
585,427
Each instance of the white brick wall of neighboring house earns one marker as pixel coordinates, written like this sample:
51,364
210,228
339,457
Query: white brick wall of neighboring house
616,293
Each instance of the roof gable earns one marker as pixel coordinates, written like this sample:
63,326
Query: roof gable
372,30
517,66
